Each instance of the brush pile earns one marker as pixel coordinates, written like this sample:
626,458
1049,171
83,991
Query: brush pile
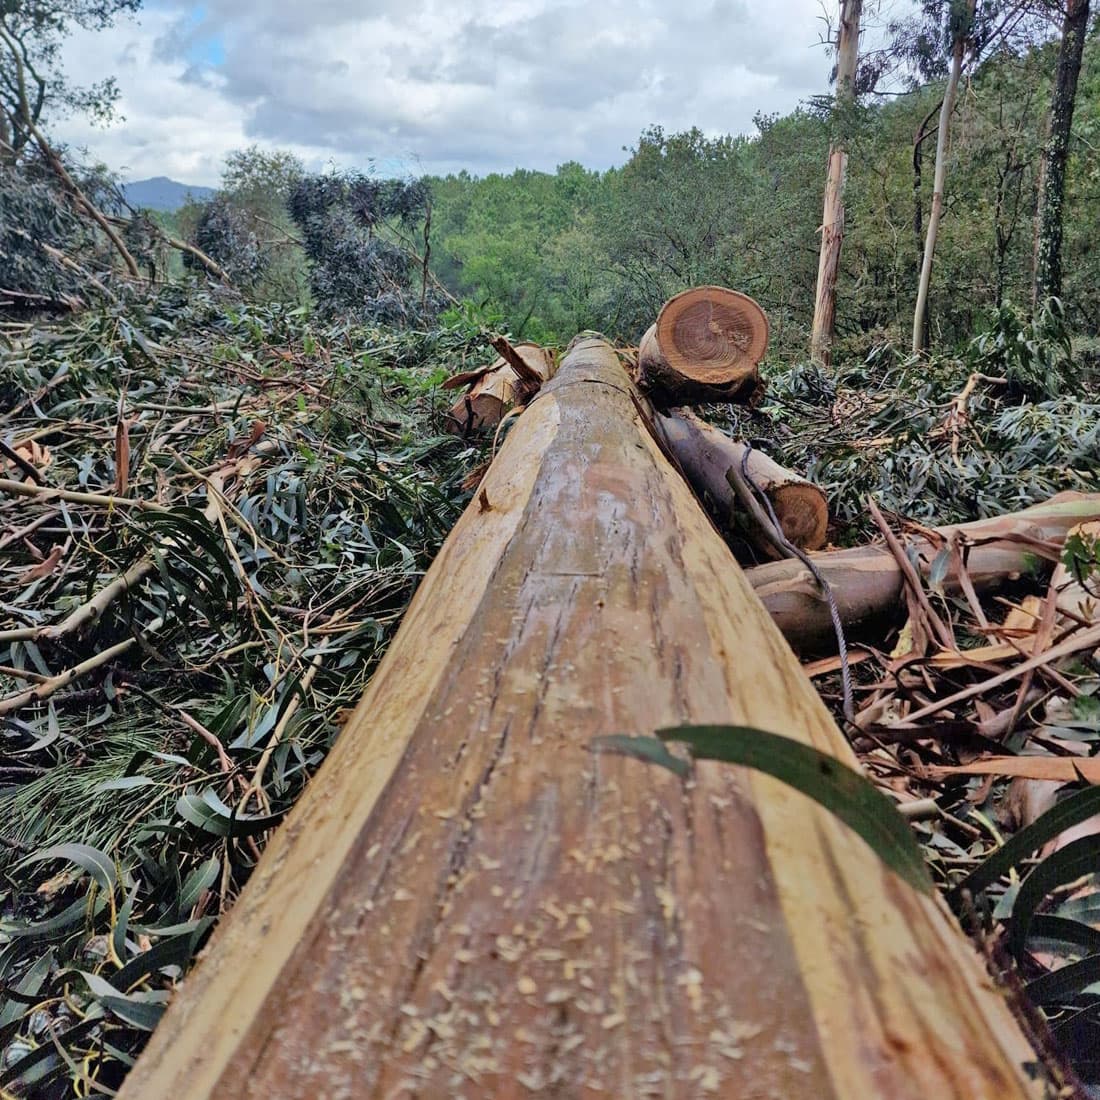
211,517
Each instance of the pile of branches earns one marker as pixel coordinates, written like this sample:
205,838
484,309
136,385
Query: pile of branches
982,717
1003,425
211,517
47,249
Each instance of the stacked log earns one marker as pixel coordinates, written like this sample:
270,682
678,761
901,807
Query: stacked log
867,582
706,456
467,902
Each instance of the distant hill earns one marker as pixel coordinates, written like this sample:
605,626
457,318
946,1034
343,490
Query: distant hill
161,193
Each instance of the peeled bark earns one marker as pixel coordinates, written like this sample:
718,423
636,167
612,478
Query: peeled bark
467,902
867,582
497,389
706,455
832,218
1052,187
705,346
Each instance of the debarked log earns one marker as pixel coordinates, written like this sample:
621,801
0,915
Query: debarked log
467,902
867,583
706,455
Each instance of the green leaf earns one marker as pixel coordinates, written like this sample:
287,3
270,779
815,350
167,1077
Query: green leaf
1065,981
21,1070
125,783
99,865
1055,931
72,914
847,794
175,951
213,816
201,878
142,1010
28,986
648,749
122,923
1078,807
1072,862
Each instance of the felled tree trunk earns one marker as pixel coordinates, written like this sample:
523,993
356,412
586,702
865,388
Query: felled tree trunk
867,582
496,389
705,455
467,902
705,346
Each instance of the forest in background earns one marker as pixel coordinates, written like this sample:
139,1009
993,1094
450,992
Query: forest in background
550,254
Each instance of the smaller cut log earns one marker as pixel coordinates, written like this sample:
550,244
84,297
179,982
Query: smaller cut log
706,455
867,582
496,389
705,346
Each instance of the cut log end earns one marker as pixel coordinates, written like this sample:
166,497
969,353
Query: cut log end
712,335
802,511
705,346
498,388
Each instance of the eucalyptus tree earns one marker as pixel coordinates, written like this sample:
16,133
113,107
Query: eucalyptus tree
1052,189
940,41
832,219
33,85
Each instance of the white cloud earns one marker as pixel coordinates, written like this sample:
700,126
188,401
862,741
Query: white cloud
482,84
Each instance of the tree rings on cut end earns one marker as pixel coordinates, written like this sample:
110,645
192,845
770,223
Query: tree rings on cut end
711,334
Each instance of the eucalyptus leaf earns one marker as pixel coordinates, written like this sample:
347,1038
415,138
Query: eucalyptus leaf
847,794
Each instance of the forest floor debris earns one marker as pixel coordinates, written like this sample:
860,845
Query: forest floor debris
211,517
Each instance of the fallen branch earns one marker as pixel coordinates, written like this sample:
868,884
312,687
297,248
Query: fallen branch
92,610
1057,769
71,496
9,704
1083,640
868,584
83,201
12,455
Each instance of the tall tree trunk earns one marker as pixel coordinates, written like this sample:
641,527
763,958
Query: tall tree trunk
7,149
919,139
946,109
468,902
1052,185
832,218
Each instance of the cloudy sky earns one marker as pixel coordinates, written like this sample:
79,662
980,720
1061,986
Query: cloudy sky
423,85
